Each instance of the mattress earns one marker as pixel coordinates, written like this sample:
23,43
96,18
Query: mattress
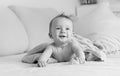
12,66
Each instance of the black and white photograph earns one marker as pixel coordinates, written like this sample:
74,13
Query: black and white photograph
59,37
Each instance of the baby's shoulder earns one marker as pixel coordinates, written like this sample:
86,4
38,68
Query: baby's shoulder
50,46
73,42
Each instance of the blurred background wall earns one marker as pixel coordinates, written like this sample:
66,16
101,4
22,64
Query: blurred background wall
66,6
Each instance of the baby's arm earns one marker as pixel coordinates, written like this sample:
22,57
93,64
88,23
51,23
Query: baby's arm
45,56
77,49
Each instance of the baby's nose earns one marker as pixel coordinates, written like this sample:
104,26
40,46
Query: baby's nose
63,30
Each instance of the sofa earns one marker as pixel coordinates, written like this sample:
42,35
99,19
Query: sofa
23,28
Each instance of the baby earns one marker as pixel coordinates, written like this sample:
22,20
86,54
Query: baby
64,45
64,48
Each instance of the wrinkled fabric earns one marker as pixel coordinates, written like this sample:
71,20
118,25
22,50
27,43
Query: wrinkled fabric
110,42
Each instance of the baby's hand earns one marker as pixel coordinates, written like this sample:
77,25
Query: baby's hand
81,57
77,60
80,60
74,61
102,56
41,63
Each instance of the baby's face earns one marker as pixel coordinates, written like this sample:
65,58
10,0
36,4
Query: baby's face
62,29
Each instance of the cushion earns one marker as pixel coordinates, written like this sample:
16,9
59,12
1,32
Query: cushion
102,27
36,22
13,37
85,10
100,20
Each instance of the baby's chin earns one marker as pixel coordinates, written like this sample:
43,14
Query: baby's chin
63,40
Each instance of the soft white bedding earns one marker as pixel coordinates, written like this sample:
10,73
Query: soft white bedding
12,66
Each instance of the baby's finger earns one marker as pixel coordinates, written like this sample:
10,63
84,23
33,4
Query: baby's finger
43,64
74,61
78,59
81,60
39,65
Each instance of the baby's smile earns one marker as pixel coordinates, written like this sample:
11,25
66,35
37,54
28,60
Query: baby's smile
62,36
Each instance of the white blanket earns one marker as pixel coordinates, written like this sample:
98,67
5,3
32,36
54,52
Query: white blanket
12,66
110,42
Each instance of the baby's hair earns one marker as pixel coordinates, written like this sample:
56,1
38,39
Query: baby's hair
58,16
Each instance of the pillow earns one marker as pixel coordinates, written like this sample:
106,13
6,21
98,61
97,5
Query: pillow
36,22
13,37
102,27
100,20
85,10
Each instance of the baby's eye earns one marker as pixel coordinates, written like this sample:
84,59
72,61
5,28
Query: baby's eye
58,28
67,28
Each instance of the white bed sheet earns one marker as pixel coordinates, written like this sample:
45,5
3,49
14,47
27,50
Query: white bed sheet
12,66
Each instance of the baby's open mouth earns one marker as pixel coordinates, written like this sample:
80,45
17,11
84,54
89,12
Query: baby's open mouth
62,36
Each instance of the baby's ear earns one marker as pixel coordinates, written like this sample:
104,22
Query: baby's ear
50,35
